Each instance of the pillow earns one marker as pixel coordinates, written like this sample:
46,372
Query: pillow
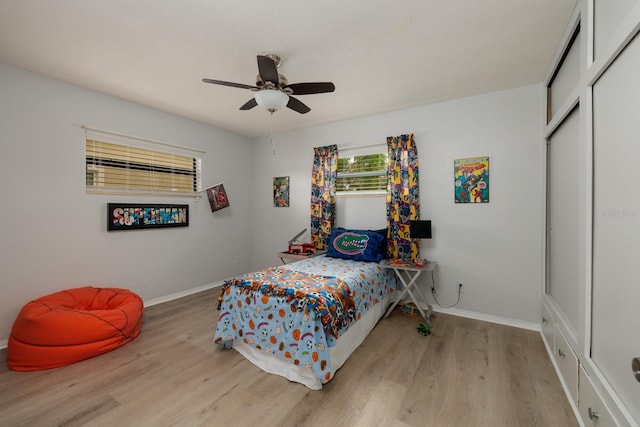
383,245
358,245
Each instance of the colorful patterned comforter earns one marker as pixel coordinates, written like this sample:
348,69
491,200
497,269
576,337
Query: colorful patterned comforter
298,311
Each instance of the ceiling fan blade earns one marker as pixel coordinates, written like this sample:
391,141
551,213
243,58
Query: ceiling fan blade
268,70
223,83
298,106
310,88
249,104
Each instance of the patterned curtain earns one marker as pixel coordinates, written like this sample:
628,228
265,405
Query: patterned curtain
403,196
323,194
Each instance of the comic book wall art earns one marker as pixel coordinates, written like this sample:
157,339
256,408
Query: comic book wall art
218,198
471,180
281,191
137,216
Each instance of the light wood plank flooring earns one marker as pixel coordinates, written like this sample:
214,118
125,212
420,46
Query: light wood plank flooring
468,373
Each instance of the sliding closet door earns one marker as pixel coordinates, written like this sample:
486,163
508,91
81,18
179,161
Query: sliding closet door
562,217
616,225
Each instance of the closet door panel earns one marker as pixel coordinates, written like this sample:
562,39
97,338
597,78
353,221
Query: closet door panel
608,15
615,339
562,217
566,78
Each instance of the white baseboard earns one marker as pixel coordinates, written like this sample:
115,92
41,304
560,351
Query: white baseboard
3,343
488,318
181,294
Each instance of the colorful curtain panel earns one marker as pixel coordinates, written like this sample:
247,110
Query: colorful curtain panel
323,194
403,196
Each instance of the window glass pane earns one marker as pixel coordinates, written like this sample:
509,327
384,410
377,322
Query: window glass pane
362,173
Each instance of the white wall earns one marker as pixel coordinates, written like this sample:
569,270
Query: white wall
495,249
53,236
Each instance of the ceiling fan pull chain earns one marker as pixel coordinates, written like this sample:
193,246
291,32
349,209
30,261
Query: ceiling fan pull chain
273,140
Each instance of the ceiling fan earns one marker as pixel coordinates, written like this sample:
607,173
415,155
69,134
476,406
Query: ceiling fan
272,89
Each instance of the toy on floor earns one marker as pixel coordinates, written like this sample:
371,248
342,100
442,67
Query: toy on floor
423,329
410,309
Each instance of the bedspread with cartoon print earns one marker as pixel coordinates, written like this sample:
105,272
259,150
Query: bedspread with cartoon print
299,310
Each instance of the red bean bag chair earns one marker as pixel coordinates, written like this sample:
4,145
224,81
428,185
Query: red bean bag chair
73,325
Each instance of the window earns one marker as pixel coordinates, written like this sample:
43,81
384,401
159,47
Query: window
362,173
112,167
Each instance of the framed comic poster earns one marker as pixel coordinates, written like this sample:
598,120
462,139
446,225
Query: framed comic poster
217,197
471,180
281,191
140,216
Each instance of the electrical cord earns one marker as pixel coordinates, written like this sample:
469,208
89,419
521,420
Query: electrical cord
433,293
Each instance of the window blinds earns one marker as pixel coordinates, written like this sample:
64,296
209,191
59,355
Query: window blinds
117,167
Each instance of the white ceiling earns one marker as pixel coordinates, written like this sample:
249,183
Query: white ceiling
382,55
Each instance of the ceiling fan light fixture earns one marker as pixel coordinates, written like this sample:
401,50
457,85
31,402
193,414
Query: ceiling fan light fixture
272,91
271,100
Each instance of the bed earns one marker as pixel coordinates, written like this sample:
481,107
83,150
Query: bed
303,320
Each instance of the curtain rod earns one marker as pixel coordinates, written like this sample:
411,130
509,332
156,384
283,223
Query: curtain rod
166,144
356,147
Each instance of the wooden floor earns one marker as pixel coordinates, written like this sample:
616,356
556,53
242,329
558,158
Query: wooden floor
468,373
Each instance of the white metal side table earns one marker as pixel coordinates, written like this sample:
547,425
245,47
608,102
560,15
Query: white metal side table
408,273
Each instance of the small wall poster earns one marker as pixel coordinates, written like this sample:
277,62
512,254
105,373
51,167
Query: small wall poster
217,197
281,191
471,180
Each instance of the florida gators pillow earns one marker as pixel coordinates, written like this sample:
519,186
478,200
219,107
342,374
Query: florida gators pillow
358,245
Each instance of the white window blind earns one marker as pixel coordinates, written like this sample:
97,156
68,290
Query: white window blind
130,168
362,170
